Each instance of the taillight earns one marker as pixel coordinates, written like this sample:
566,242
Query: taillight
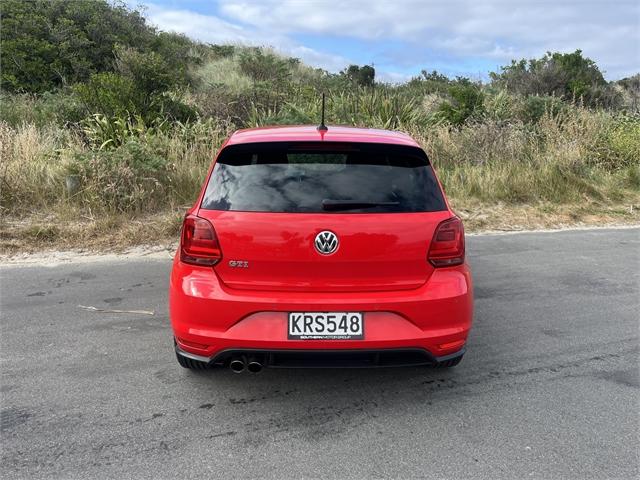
199,243
447,246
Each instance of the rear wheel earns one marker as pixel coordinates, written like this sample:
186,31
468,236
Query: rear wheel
449,363
190,363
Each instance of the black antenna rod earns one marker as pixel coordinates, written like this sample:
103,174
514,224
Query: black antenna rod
322,127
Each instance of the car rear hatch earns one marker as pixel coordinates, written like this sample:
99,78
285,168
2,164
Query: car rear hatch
269,202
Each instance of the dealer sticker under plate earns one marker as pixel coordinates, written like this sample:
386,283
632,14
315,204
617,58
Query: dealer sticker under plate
326,326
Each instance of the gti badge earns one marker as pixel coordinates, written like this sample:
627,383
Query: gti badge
239,263
326,242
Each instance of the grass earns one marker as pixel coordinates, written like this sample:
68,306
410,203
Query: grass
224,72
579,167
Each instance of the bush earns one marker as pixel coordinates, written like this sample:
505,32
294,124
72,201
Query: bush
263,66
618,143
569,76
221,51
629,89
49,44
143,121
361,76
116,96
466,100
535,107
359,107
109,94
149,72
131,178
104,132
60,108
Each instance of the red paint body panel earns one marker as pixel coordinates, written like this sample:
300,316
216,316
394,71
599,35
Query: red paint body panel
308,133
206,312
377,251
380,269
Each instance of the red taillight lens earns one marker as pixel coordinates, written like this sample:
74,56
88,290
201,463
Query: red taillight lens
199,243
447,246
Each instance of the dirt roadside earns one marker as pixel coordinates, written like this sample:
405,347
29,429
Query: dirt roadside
52,258
50,238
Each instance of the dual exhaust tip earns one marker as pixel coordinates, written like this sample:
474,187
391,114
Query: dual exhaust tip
242,363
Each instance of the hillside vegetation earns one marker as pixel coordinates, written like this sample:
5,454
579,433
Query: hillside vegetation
108,126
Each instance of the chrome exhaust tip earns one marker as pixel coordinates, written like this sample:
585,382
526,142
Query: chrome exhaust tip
237,365
254,366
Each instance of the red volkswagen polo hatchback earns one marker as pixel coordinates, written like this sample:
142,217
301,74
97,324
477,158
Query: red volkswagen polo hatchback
313,247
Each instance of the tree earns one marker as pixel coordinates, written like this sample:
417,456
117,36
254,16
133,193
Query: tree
434,76
566,75
428,83
264,66
137,88
466,100
363,76
47,44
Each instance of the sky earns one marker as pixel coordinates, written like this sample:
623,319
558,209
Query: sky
402,37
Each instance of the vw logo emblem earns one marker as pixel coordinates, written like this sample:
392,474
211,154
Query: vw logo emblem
326,242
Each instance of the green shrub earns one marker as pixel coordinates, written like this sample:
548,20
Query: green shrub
569,76
361,76
221,51
149,72
109,94
466,100
535,107
263,66
49,44
60,108
618,145
359,107
501,106
629,89
116,96
104,132
130,178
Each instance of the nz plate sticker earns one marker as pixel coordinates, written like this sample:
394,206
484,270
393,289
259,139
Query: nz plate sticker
325,326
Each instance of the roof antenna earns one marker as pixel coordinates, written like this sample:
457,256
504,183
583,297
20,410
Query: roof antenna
322,127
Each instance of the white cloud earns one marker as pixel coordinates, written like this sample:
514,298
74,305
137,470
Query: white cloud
393,77
607,31
462,34
202,27
211,29
327,61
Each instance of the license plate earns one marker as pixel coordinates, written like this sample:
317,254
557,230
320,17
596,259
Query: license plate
326,326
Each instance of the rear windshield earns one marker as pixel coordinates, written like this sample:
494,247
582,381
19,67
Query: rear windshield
323,178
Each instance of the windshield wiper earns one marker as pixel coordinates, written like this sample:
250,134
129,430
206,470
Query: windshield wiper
333,205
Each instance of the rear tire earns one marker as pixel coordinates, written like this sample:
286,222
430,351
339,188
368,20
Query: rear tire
190,363
449,363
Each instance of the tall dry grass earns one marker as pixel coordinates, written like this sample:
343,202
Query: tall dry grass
579,156
164,171
582,156
32,164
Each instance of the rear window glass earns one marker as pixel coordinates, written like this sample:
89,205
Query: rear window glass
323,178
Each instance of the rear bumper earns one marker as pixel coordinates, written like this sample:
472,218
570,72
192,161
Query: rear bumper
209,319
328,358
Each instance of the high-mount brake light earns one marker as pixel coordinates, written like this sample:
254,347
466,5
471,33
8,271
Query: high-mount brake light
199,243
447,246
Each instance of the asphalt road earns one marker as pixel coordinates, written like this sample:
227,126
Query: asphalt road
549,387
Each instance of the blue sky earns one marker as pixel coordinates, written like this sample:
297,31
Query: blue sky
402,37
